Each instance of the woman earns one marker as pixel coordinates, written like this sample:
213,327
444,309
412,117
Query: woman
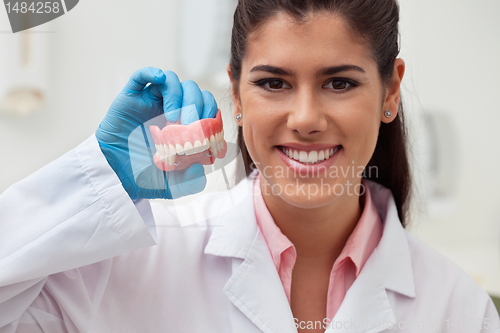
316,89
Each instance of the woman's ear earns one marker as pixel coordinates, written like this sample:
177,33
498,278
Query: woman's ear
235,94
392,96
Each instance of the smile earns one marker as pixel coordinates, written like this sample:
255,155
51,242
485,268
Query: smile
311,157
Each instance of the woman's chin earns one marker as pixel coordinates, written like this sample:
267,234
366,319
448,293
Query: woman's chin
302,195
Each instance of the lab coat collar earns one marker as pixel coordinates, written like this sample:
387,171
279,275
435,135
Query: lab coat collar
393,249
235,230
366,306
255,287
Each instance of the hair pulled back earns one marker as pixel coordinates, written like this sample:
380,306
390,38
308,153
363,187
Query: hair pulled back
373,22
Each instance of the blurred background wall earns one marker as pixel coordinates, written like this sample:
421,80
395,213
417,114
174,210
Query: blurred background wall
451,49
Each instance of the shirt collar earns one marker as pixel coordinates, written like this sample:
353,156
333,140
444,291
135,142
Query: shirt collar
275,239
365,236
359,246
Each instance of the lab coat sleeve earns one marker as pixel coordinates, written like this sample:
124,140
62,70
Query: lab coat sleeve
491,319
59,230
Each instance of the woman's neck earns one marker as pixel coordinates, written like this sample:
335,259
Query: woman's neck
318,234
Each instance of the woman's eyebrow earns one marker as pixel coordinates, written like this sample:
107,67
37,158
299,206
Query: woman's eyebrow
270,69
337,69
322,72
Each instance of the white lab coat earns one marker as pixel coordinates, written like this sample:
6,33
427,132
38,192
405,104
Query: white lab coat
76,255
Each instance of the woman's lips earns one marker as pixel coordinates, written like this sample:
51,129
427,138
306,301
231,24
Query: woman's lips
309,161
309,155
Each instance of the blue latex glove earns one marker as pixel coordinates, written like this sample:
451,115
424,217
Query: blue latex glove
126,141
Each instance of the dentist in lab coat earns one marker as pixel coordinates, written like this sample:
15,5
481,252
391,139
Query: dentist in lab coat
83,250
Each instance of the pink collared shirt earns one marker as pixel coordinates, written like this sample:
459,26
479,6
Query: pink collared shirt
345,270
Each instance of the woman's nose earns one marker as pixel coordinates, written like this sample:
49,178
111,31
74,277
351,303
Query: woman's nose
307,116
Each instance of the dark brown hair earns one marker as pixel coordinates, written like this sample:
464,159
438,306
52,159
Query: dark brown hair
373,22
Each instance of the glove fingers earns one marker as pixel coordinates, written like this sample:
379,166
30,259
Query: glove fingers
143,76
156,91
172,96
192,102
209,105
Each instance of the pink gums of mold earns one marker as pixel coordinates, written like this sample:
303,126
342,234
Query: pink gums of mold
199,142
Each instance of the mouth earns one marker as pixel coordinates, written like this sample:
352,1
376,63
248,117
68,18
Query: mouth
310,157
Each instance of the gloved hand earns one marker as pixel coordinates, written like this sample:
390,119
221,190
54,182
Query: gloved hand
126,141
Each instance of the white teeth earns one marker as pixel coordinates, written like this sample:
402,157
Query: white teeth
179,149
171,150
188,148
303,156
214,143
197,147
171,159
162,150
313,157
321,155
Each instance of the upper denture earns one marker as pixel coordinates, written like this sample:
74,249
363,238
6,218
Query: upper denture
179,134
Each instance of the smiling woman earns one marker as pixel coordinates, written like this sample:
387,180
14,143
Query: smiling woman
313,239
329,34
313,82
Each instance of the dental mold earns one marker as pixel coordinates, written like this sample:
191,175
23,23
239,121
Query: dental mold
179,146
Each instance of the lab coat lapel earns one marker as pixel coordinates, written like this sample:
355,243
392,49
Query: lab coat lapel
256,290
366,306
254,286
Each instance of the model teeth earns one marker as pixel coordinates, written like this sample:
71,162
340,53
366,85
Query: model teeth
168,152
171,159
313,157
179,149
188,147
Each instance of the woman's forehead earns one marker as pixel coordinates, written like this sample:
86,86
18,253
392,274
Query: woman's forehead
320,38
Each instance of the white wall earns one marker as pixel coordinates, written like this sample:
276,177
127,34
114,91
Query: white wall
451,48
95,48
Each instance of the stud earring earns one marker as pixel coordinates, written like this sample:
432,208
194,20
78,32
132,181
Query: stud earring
238,117
388,113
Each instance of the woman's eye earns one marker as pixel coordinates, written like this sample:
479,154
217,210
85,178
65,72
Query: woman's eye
273,85
340,85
